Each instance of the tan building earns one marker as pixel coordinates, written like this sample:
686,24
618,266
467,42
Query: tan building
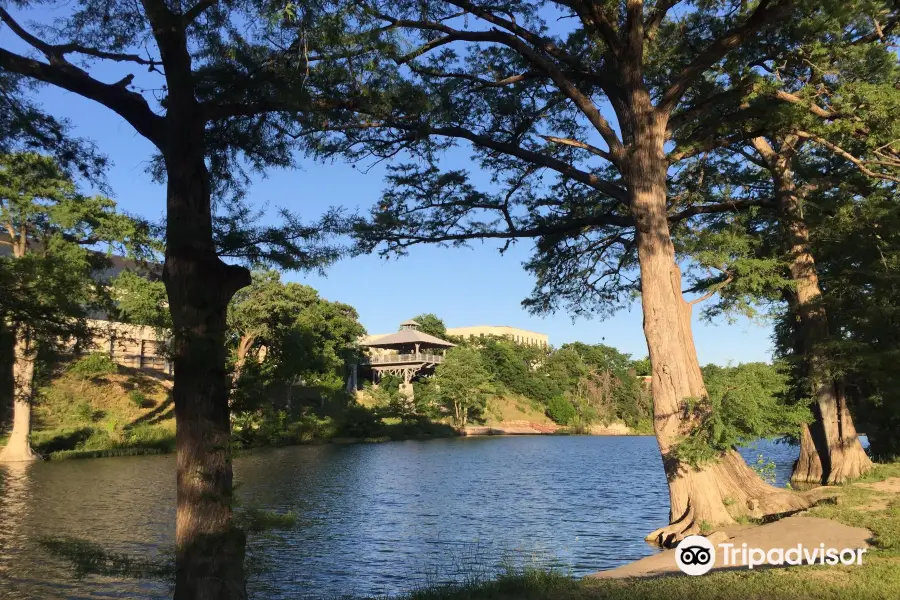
520,336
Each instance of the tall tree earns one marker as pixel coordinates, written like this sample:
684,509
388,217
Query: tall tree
592,109
218,89
858,260
461,385
51,277
830,450
835,135
297,334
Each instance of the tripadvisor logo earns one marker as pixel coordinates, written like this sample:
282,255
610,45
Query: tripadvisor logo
695,555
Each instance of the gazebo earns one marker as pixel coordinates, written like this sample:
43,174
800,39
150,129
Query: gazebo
410,352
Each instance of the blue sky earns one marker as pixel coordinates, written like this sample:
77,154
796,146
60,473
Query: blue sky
464,286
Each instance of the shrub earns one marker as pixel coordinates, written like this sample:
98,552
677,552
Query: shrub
359,421
138,398
561,410
93,365
745,403
85,412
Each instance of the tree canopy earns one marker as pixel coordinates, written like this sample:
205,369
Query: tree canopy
533,98
461,384
431,324
56,241
291,335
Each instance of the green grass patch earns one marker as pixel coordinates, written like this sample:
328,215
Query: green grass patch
878,578
881,472
112,452
102,441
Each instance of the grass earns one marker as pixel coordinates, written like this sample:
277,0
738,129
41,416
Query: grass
513,408
878,577
114,414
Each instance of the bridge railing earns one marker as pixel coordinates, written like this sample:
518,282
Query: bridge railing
392,359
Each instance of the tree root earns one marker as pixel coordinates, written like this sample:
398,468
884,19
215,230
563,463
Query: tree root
717,494
671,534
17,452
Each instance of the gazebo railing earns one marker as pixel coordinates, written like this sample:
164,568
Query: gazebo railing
391,359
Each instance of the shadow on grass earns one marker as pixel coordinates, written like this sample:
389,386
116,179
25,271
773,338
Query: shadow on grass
67,440
165,410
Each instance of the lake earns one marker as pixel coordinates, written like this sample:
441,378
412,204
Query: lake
372,518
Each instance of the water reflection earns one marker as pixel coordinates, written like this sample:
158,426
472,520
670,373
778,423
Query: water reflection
372,518
14,502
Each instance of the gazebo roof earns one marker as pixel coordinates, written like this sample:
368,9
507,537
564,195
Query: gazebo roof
407,337
410,322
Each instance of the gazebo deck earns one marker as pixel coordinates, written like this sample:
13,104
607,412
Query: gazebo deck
406,359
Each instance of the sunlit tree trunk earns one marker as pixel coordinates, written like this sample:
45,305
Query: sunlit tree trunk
830,450
18,448
725,488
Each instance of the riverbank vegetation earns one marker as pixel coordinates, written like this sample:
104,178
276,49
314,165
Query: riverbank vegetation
113,411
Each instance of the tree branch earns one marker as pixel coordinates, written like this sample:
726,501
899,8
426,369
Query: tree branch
198,9
528,52
859,163
761,16
537,41
215,112
55,53
129,105
706,209
536,158
813,108
577,144
634,27
721,142
656,17
567,227
713,290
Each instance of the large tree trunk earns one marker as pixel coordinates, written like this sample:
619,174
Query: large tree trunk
209,547
18,448
719,491
830,450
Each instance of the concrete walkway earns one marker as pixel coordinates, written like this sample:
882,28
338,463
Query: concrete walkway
811,532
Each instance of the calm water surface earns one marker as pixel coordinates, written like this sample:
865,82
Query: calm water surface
372,518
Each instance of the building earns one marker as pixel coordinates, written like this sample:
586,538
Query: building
128,345
406,353
520,336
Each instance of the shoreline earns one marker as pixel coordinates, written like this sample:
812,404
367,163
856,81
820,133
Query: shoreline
497,430
805,529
